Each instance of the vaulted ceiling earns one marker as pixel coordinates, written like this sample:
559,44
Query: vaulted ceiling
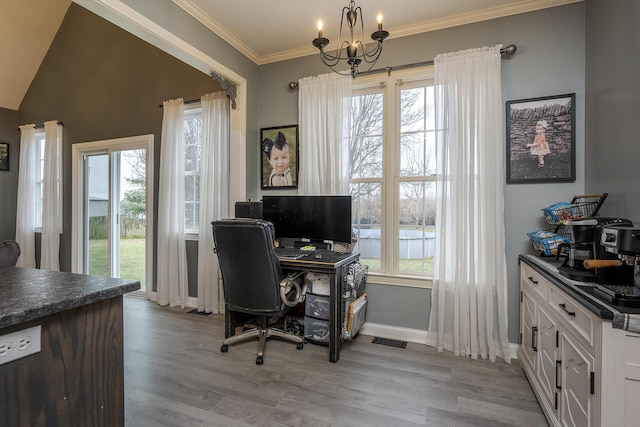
264,31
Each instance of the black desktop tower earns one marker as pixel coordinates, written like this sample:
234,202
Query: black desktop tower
249,210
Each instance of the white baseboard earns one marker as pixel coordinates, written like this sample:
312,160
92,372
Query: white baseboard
418,336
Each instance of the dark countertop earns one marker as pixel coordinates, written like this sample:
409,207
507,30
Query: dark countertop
27,294
581,291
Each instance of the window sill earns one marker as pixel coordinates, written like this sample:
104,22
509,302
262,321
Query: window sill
399,280
194,236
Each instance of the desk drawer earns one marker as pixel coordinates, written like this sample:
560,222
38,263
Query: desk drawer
316,306
316,330
534,281
319,284
577,318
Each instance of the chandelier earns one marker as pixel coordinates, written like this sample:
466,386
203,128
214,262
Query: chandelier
351,50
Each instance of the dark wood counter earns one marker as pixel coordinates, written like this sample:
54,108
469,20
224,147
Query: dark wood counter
78,376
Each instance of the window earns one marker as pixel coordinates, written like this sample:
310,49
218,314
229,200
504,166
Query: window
40,180
392,171
192,163
39,136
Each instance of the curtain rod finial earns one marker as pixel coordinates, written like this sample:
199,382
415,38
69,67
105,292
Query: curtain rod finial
509,50
293,85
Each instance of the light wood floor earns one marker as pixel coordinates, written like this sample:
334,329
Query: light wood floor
175,375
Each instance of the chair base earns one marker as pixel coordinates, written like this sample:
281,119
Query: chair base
262,332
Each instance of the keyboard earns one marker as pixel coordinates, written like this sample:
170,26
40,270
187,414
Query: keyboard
290,253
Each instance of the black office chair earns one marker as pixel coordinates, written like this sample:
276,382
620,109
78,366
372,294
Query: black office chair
253,281
9,253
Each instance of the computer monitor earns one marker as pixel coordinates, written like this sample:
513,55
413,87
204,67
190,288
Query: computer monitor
316,218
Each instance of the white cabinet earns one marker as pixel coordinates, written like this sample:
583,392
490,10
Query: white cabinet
557,351
583,371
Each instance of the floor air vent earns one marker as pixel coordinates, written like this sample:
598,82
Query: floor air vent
389,342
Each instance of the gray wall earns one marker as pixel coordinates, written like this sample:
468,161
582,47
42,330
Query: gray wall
9,179
103,83
171,17
548,62
613,104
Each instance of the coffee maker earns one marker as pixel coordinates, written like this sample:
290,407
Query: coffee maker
585,245
624,242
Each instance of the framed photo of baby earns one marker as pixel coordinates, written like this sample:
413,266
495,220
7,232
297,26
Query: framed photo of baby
279,157
541,139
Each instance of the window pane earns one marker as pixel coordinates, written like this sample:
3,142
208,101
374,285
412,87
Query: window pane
367,216
417,141
416,237
188,216
192,163
189,188
365,138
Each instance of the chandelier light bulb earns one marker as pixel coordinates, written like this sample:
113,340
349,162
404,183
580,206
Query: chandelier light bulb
379,22
319,27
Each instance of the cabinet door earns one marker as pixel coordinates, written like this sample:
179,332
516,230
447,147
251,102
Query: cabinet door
528,308
576,403
547,356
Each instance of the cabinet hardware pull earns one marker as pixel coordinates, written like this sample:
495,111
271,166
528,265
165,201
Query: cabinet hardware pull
593,383
564,308
534,338
535,282
558,373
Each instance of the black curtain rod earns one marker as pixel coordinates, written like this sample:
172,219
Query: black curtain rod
191,101
42,126
508,50
226,86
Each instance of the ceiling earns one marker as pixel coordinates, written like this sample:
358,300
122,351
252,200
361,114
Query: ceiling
264,31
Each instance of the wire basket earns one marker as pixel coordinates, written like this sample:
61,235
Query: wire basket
580,207
355,318
547,242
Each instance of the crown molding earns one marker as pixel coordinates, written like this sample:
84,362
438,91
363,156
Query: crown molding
213,25
479,16
433,25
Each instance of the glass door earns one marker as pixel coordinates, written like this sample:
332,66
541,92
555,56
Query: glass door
113,202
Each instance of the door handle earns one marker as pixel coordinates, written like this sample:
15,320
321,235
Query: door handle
558,374
534,338
564,308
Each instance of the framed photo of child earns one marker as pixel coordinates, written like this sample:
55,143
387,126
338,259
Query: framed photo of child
4,156
541,139
279,157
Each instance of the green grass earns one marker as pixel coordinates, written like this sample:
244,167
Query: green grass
132,259
406,265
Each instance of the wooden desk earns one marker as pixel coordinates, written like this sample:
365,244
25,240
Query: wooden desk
78,376
329,263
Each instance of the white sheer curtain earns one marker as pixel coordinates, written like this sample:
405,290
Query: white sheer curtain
469,295
323,106
51,197
26,210
214,196
172,258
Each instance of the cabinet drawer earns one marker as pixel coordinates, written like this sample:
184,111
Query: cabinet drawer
577,318
534,281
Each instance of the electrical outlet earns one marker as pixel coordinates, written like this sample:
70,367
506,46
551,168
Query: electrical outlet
19,344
